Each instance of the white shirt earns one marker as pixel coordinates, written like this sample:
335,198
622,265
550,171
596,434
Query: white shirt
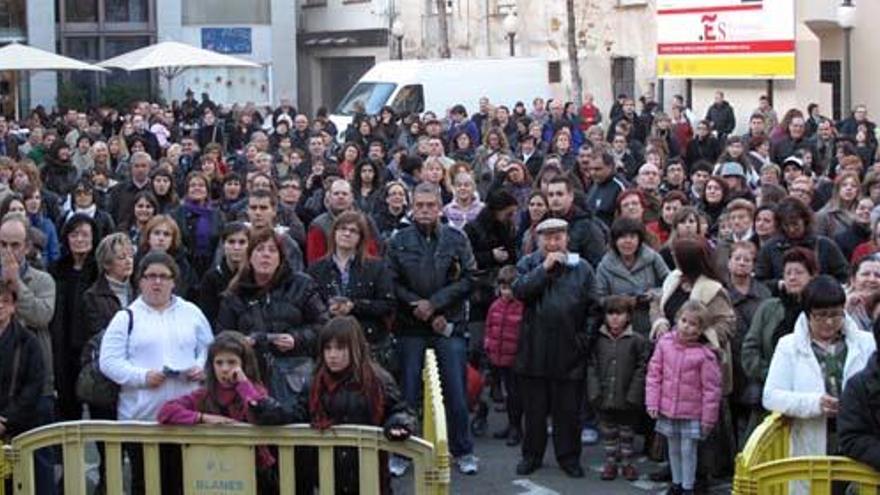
176,337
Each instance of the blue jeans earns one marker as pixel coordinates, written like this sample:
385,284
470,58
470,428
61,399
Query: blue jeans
452,360
44,459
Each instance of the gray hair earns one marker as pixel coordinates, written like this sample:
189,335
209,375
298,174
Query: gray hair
141,156
106,251
426,188
20,218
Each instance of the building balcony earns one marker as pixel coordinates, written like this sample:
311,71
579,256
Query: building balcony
820,15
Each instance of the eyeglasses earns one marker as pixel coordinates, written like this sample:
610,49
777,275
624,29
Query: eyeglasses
349,230
827,314
157,277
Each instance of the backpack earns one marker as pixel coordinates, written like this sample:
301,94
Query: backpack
92,386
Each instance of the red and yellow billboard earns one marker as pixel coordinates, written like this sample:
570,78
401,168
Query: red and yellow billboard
726,39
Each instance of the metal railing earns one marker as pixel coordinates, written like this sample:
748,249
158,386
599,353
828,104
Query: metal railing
225,454
765,468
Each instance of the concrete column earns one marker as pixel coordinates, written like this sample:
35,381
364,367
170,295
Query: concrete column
284,60
41,34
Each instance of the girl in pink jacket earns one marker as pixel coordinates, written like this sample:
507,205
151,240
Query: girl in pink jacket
232,384
683,391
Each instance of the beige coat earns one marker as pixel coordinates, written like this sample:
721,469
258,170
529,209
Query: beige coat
722,319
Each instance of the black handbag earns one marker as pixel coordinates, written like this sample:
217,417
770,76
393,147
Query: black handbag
92,386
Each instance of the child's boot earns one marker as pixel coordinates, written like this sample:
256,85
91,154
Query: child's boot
609,472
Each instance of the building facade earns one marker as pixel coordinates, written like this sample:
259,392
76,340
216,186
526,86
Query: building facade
337,42
262,31
616,42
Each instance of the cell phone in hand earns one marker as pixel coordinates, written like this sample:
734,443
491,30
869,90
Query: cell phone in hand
171,373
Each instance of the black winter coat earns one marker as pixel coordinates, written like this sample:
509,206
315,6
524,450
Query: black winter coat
347,406
485,234
587,235
708,149
858,425
768,267
555,335
69,334
438,267
100,305
293,306
369,288
722,117
20,385
211,289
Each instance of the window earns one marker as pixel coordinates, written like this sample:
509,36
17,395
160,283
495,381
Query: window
830,73
81,10
118,46
314,3
12,15
554,72
83,48
226,12
435,10
372,96
623,76
125,10
410,99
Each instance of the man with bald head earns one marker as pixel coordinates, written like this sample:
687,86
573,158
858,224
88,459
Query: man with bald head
339,199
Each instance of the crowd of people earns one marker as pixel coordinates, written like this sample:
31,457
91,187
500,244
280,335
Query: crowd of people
652,278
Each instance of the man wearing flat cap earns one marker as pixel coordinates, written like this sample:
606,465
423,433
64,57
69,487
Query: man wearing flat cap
558,288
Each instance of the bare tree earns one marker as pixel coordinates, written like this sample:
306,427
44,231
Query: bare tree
444,29
577,85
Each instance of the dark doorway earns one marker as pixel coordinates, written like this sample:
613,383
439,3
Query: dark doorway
340,74
830,72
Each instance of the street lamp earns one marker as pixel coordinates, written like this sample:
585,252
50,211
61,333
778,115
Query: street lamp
511,24
397,31
846,19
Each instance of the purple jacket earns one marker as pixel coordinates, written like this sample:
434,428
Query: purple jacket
684,381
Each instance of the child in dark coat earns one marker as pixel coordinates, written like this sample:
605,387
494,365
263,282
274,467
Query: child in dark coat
500,342
616,384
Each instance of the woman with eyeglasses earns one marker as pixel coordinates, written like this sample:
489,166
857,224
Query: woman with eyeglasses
353,283
811,366
155,350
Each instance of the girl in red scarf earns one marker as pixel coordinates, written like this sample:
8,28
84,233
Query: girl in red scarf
350,388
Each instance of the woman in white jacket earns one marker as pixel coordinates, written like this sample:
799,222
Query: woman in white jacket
155,350
811,366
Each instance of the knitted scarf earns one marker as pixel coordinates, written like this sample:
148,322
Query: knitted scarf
203,225
326,386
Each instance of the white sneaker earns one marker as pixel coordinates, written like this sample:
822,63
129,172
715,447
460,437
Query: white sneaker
589,436
468,464
398,465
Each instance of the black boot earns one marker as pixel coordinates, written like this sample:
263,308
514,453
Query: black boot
675,490
515,437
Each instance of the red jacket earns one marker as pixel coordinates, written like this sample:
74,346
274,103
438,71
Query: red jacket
502,331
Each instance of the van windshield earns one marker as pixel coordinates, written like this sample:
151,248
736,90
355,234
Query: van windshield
372,95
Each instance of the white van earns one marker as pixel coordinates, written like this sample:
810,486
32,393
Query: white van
436,85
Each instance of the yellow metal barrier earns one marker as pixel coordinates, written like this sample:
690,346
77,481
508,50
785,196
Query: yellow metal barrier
221,460
434,425
765,468
5,469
